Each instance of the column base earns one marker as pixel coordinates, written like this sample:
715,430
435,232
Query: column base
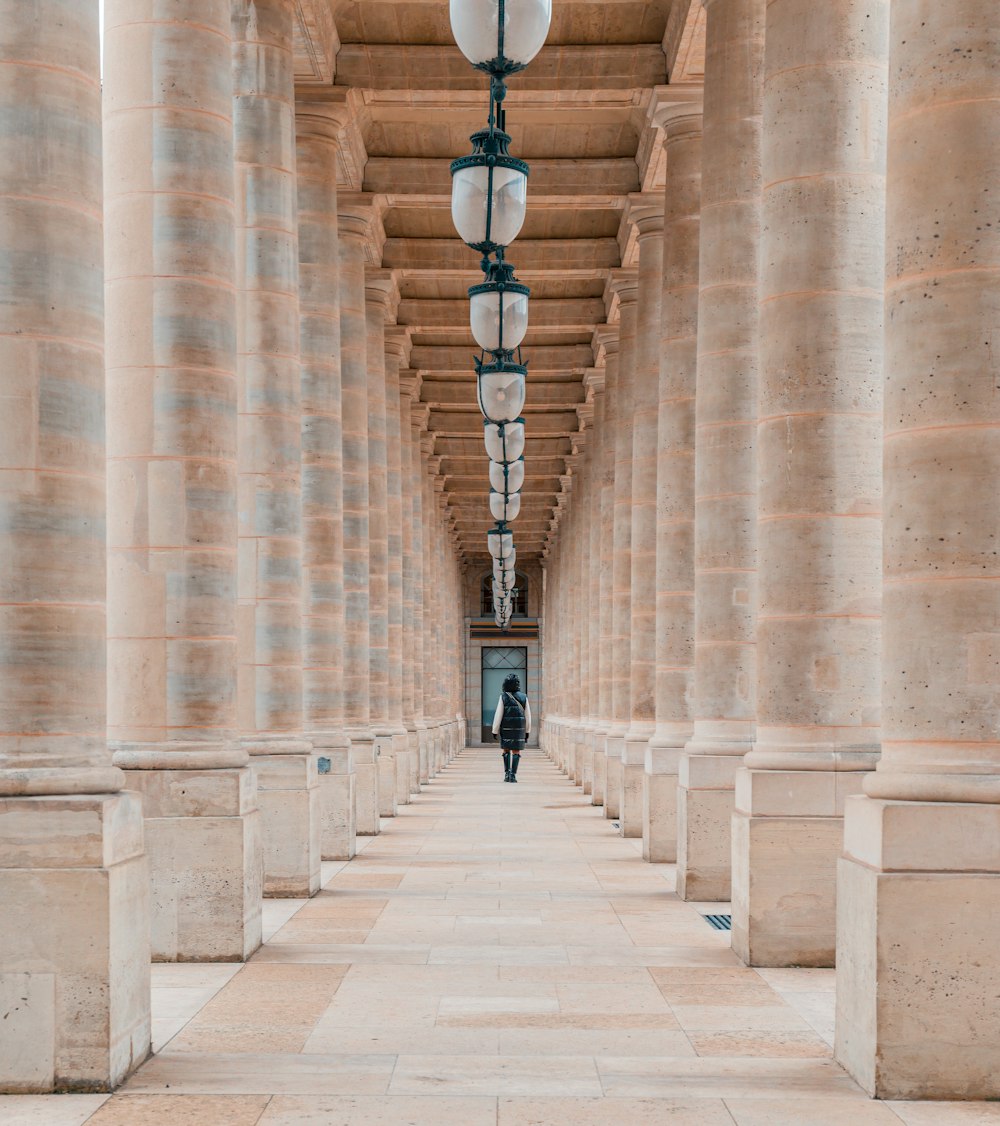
401,752
600,769
288,800
659,804
414,760
787,833
705,801
385,761
364,752
917,953
74,953
424,756
336,786
613,778
203,840
633,798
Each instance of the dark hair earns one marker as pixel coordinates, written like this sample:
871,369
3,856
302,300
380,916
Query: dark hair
511,683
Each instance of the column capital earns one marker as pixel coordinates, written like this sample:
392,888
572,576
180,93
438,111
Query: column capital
644,211
604,340
420,413
359,215
382,289
398,343
670,102
622,288
336,114
593,380
410,381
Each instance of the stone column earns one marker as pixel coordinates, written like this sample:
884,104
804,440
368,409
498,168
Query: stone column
625,285
426,645
819,472
172,474
354,224
379,308
74,951
919,883
322,482
396,351
418,417
269,566
595,534
609,343
725,533
647,217
675,477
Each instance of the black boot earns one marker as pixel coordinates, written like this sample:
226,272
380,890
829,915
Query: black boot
506,766
514,761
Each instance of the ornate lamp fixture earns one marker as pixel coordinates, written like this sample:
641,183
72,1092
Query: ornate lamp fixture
500,542
507,478
505,442
504,507
489,192
499,309
500,37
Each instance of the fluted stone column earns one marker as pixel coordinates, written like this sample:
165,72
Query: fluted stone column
675,478
819,472
625,284
592,586
322,483
269,567
172,473
919,882
408,479
379,307
426,645
396,349
725,530
353,225
418,417
605,676
647,216
74,881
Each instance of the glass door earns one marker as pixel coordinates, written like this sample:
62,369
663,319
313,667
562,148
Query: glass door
498,664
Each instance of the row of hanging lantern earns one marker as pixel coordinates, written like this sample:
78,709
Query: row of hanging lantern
488,201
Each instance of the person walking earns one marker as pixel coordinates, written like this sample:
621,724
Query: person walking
512,725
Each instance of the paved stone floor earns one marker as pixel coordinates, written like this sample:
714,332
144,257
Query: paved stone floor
497,957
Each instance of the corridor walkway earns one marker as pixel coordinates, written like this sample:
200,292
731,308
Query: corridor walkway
497,957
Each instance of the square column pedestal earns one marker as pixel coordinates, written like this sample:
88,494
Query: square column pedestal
706,797
404,768
288,799
203,841
337,799
385,761
918,952
633,785
787,835
599,768
613,777
74,933
659,804
365,753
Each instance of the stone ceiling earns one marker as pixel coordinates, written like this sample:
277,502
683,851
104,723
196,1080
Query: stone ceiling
580,115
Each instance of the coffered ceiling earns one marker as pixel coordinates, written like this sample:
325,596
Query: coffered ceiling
580,114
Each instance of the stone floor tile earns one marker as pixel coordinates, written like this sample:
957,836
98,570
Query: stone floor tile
372,1110
946,1113
810,1112
757,1042
642,998
728,1018
48,1110
163,1031
799,980
726,1078
595,1042
460,1006
498,955
601,1112
181,1110
186,1073
192,975
381,1040
504,1075
342,954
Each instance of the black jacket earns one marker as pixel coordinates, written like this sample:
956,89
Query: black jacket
512,726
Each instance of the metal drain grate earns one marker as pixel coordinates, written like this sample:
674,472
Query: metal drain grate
719,922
